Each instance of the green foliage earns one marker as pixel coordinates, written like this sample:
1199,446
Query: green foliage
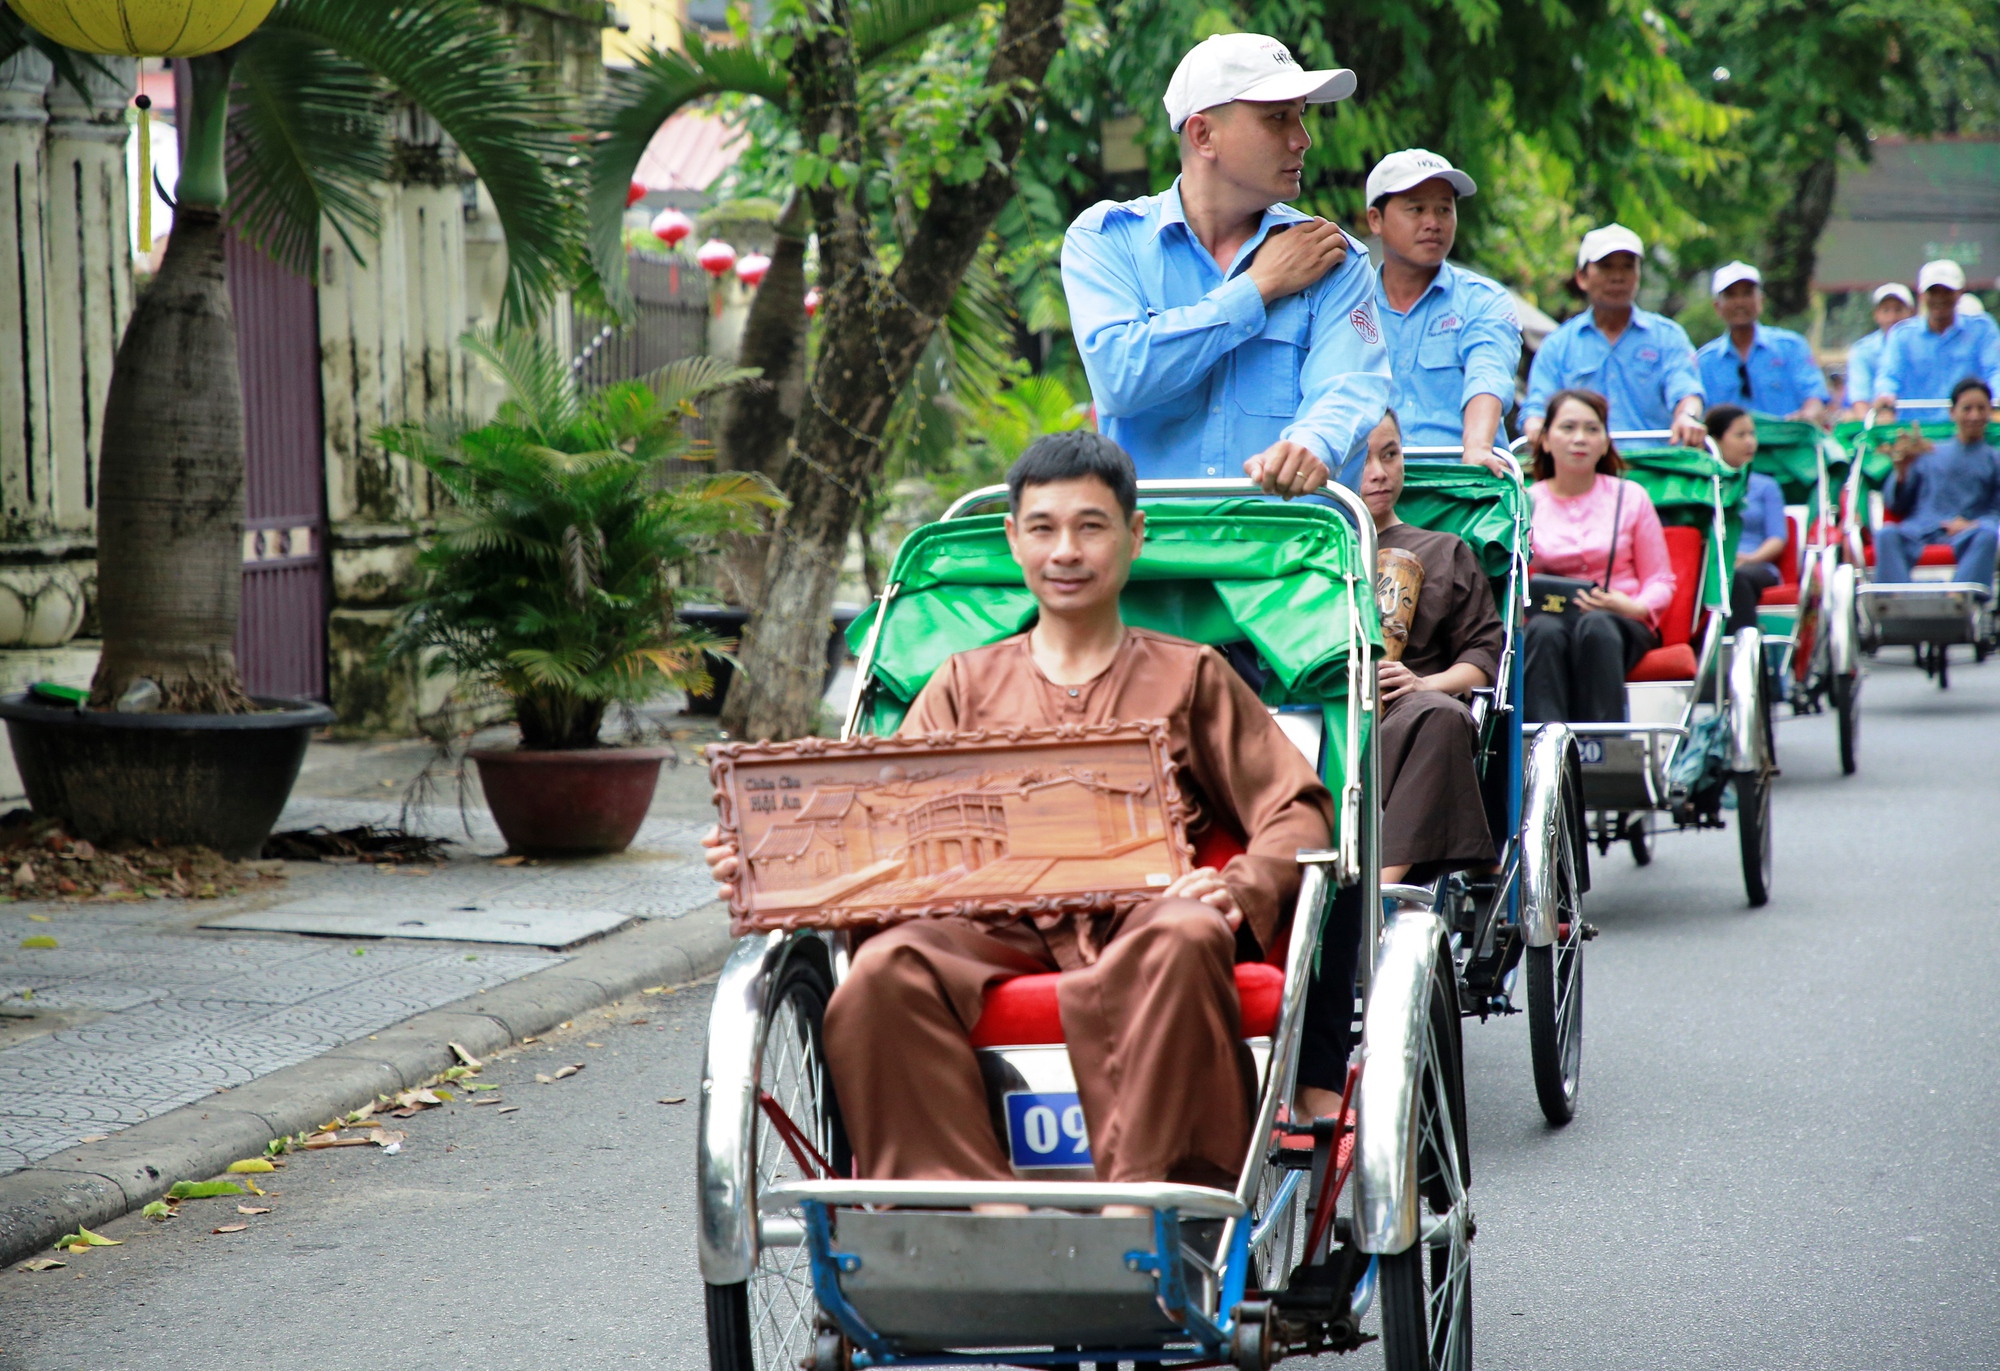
554,579
320,133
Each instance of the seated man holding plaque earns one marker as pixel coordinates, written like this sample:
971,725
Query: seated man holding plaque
1147,996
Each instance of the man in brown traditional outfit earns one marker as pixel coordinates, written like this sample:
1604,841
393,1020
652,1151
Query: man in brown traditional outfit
1432,819
1148,998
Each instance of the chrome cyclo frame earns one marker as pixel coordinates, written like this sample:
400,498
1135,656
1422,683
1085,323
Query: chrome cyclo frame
1651,747
1398,985
1915,613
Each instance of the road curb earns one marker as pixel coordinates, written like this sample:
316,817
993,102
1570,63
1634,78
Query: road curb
96,1182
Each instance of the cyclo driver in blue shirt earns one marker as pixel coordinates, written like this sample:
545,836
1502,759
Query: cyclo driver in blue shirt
1753,366
1640,361
1927,356
1223,331
1454,343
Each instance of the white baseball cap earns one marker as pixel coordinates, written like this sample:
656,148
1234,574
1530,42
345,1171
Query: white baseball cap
1247,66
1969,305
1600,243
1896,289
1410,168
1942,272
1730,273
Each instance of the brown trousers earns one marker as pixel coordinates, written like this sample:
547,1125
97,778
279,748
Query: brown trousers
1432,817
1154,1031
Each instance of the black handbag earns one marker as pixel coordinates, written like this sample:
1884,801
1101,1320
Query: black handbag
1556,595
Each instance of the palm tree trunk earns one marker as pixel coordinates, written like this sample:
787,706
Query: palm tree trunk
757,418
875,329
170,485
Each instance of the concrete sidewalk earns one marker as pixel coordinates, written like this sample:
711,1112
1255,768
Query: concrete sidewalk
146,1047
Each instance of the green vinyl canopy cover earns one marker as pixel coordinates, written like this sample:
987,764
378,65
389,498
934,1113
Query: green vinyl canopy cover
1215,571
1789,451
1872,444
1687,486
1489,512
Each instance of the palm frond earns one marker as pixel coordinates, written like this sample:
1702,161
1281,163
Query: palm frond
691,378
453,60
882,26
538,383
641,98
306,139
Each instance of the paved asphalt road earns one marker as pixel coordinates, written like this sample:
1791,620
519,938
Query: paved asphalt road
1786,1156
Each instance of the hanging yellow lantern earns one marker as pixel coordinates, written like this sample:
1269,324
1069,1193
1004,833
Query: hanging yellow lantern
145,28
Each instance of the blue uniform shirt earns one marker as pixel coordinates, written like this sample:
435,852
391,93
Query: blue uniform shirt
1864,366
1951,481
1782,372
1763,513
1920,365
1460,339
1644,375
1191,374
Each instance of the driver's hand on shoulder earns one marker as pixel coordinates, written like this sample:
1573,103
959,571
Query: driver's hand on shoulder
1287,469
1295,256
723,864
1206,884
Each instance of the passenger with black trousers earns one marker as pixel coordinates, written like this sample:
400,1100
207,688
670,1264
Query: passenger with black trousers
1763,541
1600,577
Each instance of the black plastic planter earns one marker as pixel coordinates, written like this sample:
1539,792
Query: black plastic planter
219,780
726,621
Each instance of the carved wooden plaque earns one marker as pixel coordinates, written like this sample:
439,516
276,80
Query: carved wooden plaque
871,831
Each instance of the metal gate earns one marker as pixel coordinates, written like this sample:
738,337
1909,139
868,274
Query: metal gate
670,322
281,638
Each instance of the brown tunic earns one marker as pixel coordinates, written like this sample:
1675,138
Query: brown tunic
1152,1024
1432,818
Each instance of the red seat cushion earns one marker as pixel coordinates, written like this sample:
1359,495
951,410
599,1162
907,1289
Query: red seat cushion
1674,663
1780,595
1788,562
1684,546
1937,554
1022,1012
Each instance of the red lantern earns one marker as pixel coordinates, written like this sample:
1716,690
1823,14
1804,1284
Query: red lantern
634,193
670,226
752,269
812,302
715,257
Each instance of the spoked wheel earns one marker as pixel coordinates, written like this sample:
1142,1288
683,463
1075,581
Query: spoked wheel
1287,1219
1753,833
1427,1288
1847,707
767,1322
1555,1001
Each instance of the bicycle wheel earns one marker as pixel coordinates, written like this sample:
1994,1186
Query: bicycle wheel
1426,1290
1555,1004
767,1322
1753,833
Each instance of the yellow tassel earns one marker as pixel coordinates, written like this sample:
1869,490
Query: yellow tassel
145,104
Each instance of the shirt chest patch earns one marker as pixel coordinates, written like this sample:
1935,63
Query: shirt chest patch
1649,354
1449,323
1363,319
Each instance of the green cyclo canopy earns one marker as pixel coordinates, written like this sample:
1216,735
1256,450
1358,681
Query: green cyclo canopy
1688,486
1873,443
1789,451
1489,512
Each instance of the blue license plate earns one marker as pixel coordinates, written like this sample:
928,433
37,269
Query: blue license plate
1046,1130
1590,751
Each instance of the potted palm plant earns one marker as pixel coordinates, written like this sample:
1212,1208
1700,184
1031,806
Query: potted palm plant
553,582
287,126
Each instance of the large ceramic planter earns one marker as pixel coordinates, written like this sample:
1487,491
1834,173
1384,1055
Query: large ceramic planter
218,780
726,621
569,804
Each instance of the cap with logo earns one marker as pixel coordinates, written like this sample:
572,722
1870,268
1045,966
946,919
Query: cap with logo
1410,168
1896,290
1600,243
1730,273
1943,272
1247,66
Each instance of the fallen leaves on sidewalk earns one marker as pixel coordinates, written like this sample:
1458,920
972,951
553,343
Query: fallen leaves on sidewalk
203,1190
158,1209
543,1078
251,1209
490,1099
40,1264
252,1165
382,846
673,1099
465,1057
39,861
83,1240
231,1228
